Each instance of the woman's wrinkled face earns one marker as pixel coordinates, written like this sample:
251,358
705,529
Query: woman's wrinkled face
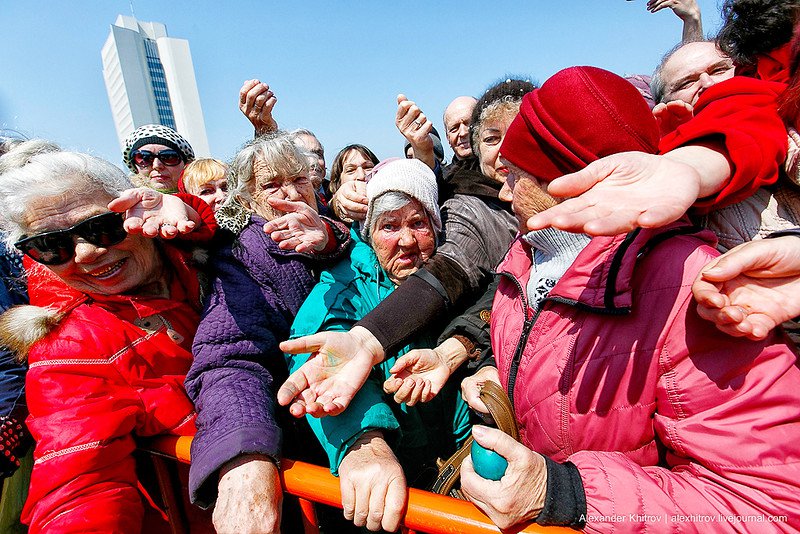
490,136
213,192
355,167
528,196
295,188
122,268
403,240
157,175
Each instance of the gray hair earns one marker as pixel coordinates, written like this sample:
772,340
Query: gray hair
507,105
388,202
54,174
20,152
658,86
281,155
303,131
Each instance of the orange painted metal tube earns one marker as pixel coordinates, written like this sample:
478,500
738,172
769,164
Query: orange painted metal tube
427,512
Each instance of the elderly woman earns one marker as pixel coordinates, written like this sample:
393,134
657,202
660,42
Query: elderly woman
635,414
107,339
258,286
157,155
399,234
478,228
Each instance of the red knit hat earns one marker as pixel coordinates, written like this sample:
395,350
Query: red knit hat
579,115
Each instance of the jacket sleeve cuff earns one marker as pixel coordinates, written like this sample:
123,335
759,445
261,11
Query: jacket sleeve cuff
565,500
414,294
208,458
208,226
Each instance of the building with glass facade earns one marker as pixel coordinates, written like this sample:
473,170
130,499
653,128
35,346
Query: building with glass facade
150,80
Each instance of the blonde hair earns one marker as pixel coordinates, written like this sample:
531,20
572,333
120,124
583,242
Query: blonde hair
202,171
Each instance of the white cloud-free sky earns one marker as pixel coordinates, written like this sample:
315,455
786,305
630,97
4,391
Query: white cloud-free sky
336,66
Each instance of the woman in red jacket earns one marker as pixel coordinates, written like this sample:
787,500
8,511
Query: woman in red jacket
108,336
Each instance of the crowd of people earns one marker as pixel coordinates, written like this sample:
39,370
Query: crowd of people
621,257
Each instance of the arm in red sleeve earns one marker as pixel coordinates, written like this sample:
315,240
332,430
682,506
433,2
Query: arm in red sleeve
740,118
208,225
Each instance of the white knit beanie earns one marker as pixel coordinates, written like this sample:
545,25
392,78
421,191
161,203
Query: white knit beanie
409,176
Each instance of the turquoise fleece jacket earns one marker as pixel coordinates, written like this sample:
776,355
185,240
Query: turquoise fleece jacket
417,434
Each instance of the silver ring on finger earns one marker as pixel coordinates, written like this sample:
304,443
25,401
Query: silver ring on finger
419,124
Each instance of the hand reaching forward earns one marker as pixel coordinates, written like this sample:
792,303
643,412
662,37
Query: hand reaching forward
670,115
339,365
752,288
350,201
374,490
420,375
615,194
154,214
256,102
518,496
300,228
416,128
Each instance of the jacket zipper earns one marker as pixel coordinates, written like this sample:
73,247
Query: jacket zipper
523,340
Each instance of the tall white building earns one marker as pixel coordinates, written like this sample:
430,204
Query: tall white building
150,80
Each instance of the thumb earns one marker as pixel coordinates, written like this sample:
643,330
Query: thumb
498,441
402,363
572,185
288,206
126,200
303,344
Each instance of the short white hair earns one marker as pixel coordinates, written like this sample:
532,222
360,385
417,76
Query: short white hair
54,174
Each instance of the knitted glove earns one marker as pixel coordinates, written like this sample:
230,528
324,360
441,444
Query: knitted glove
14,441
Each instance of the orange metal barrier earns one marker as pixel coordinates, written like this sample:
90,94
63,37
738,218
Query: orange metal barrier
427,512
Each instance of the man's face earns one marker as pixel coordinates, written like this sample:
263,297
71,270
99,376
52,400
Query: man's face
312,144
456,124
692,69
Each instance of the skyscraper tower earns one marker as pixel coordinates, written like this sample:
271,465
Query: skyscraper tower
150,79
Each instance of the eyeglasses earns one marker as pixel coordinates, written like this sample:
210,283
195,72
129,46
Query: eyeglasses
58,246
144,158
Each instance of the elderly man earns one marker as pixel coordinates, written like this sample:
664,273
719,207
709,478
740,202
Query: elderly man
683,75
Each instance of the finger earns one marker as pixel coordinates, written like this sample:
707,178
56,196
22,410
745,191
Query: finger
361,504
126,200
394,505
708,295
401,98
288,206
269,105
404,393
572,185
617,222
376,507
500,442
427,392
392,384
246,87
544,219
168,231
417,391
336,406
304,344
348,497
133,225
294,385
403,362
735,262
186,226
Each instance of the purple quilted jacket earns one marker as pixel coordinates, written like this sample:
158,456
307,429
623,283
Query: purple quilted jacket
256,292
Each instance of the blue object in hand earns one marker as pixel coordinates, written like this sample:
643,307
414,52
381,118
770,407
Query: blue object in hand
487,463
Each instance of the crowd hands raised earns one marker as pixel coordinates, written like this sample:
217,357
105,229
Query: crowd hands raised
256,303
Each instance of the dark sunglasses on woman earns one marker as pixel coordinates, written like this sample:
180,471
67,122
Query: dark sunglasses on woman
144,158
58,246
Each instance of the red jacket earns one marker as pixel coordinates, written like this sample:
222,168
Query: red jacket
113,367
740,117
663,415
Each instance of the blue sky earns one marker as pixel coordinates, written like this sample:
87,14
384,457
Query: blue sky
335,66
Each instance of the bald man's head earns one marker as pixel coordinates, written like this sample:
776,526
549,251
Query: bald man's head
456,120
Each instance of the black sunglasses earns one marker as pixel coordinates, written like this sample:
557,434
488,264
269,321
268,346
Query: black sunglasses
144,158
58,246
